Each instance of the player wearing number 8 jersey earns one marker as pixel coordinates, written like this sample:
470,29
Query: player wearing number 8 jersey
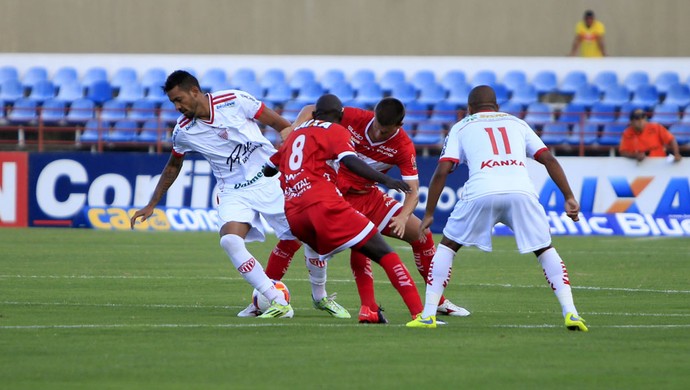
316,211
495,146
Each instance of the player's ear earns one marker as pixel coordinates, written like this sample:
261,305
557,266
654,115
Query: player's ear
313,114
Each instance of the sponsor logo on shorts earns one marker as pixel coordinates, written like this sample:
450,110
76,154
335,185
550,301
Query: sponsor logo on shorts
247,266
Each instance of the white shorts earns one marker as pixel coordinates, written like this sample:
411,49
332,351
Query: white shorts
264,199
472,221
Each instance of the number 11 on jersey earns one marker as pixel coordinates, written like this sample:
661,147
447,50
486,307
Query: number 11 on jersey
504,136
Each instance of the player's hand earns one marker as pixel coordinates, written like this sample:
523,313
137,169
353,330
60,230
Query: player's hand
397,225
269,171
143,213
398,185
426,223
572,209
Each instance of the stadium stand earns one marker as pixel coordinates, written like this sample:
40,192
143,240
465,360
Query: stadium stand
153,79
54,112
524,95
415,113
80,111
431,94
422,78
636,79
301,78
65,75
666,114
453,78
514,79
332,77
214,79
572,82
545,81
406,92
390,79
605,79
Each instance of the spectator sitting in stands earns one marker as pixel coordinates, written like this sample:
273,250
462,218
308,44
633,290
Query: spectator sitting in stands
589,37
642,139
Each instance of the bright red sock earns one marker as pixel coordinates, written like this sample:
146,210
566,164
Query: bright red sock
424,251
280,258
364,278
402,281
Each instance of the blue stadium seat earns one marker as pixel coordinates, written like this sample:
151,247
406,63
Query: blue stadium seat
685,117
70,91
369,94
278,93
545,81
666,114
422,78
123,76
524,95
253,88
168,113
142,110
390,79
99,91
432,94
635,79
94,74
512,108
405,92
681,131
272,77
124,130
362,77
42,91
602,112
538,114
156,95
611,134
11,90
214,79
502,93
302,77
92,132
33,75
151,131
444,112
113,111
616,95
332,77
80,111
587,134
605,79
573,113
65,75
572,81
8,72
665,80
678,94
484,77
272,136
243,76
514,79
54,112
458,94
453,78
24,111
555,133
129,93
343,90
645,95
586,95
310,92
428,134
415,113
291,110
153,78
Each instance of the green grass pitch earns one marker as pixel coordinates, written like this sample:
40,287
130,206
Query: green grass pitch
85,309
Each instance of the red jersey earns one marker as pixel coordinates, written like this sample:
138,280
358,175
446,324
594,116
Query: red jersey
306,160
398,150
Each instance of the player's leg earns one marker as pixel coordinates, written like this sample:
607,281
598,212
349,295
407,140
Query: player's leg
439,275
369,311
281,257
317,266
379,251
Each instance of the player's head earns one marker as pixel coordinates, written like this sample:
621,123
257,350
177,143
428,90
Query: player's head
481,98
328,108
184,91
638,118
388,117
588,17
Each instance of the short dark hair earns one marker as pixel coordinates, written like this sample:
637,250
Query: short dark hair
638,113
589,13
328,108
389,111
182,79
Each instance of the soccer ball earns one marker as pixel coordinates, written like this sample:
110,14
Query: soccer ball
260,300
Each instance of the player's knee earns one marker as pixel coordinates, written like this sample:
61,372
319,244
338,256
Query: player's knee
232,243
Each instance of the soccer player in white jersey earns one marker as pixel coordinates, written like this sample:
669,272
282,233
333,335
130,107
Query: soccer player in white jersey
495,146
221,126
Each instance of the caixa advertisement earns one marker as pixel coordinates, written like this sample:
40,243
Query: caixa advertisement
618,196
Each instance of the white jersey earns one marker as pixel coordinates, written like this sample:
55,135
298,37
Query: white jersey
494,145
231,140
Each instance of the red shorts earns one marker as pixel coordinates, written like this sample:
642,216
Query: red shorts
330,227
375,205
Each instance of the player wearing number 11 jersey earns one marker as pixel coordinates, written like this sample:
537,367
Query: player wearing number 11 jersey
495,146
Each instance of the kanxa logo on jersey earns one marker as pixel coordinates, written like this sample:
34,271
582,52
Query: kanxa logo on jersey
501,163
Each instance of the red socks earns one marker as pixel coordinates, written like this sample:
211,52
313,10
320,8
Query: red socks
280,258
402,281
361,270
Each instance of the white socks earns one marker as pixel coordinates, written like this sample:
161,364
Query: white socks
250,269
439,276
557,277
317,273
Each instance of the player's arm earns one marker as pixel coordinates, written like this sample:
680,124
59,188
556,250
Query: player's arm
271,118
600,42
438,181
168,176
304,115
361,168
398,222
572,207
675,149
576,44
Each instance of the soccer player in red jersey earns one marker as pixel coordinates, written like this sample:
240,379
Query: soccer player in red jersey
313,201
381,142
